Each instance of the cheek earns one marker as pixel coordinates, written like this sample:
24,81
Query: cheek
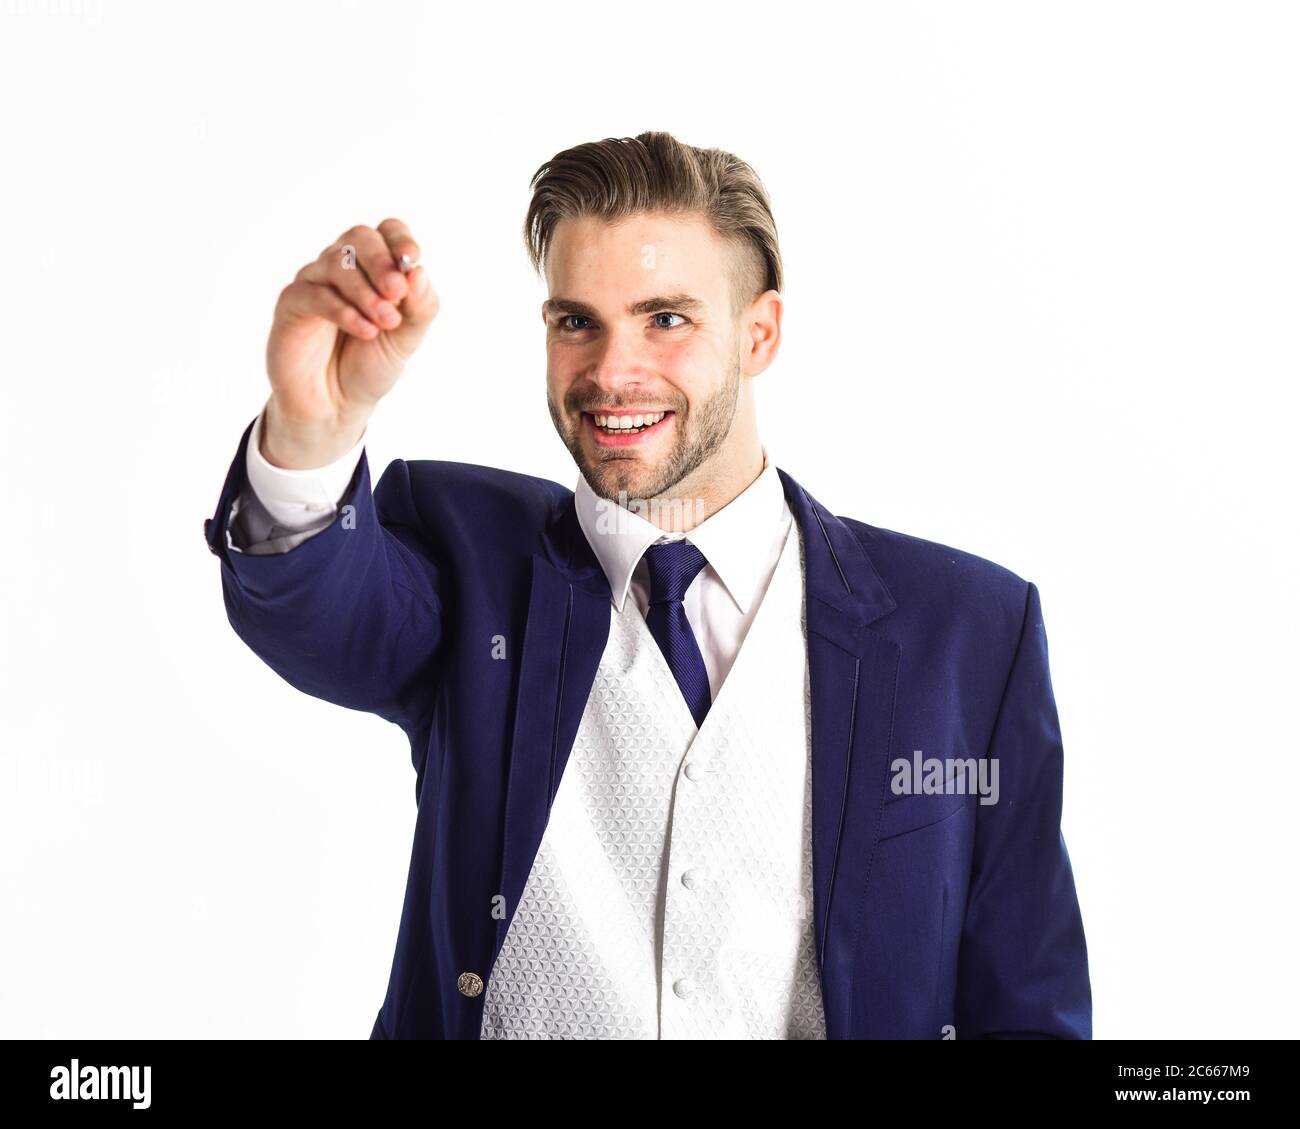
565,366
559,371
678,358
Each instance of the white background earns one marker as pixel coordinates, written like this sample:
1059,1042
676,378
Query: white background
1041,305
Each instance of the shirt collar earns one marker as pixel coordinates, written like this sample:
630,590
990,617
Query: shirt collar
736,540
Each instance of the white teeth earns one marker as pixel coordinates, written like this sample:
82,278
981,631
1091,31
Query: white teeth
627,423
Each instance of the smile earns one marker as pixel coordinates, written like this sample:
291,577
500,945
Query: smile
619,430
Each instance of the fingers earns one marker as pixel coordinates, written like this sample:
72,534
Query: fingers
357,285
400,242
419,303
419,306
418,311
302,299
379,262
358,265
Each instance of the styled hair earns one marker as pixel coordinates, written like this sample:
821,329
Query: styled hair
620,177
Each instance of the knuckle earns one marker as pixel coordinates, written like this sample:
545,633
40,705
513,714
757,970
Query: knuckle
357,287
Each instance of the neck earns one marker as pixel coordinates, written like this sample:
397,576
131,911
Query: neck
730,472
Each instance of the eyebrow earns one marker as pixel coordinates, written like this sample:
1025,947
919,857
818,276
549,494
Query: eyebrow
683,302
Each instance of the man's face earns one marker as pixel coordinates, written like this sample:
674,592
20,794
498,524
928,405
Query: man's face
640,323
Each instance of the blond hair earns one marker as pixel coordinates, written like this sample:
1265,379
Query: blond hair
654,172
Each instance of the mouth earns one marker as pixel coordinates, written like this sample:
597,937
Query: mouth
625,429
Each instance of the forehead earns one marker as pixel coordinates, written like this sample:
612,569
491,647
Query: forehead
645,250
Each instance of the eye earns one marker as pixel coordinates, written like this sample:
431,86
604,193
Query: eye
564,327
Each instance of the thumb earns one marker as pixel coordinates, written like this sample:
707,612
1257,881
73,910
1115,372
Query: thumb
418,309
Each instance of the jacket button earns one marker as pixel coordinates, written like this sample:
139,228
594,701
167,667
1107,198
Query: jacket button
469,983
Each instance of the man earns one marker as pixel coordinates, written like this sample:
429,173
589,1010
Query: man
630,825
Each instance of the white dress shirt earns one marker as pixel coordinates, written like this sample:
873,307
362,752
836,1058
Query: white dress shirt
741,543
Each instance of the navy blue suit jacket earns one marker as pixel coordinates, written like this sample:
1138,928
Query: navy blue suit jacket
932,911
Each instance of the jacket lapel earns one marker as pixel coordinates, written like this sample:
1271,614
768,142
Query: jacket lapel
566,629
853,673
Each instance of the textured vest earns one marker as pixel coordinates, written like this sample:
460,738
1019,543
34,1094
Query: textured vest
671,895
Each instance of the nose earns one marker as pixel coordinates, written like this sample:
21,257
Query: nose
617,362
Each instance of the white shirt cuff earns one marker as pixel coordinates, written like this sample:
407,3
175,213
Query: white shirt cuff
297,500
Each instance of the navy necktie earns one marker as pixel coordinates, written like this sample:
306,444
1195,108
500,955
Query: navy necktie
673,565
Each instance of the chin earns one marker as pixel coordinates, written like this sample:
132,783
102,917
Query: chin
631,476
608,478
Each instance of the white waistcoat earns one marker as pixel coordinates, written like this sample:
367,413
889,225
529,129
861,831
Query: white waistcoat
671,895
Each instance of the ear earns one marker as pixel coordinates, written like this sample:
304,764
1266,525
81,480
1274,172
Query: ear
761,330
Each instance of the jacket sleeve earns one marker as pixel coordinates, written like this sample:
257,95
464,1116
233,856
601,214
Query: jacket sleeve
1023,964
351,615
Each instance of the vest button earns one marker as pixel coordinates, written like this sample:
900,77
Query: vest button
469,983
688,879
695,771
684,988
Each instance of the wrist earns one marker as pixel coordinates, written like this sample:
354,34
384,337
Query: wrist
306,444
